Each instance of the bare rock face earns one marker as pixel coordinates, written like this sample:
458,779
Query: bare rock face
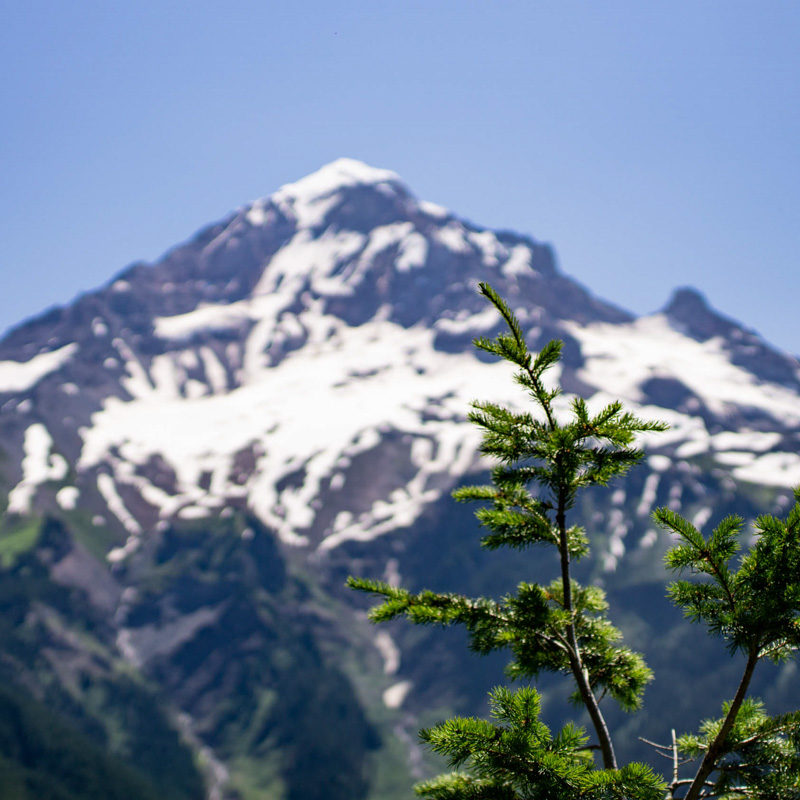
222,436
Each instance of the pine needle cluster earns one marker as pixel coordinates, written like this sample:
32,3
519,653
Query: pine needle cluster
543,462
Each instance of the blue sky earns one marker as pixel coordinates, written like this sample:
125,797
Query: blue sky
654,144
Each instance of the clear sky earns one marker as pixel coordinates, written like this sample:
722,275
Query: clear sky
655,144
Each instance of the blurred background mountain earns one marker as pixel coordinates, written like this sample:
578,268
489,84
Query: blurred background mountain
196,454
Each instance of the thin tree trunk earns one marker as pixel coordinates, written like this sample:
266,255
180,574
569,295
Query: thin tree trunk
714,751
581,677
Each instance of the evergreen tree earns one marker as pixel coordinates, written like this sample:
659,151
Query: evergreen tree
545,459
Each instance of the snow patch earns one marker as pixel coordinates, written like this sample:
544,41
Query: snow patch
734,458
453,237
659,463
395,695
392,572
519,262
620,358
490,248
413,253
755,441
136,382
648,540
39,464
326,279
648,494
256,215
701,518
389,652
346,385
433,209
466,323
203,318
108,489
68,497
194,512
771,469
215,371
19,376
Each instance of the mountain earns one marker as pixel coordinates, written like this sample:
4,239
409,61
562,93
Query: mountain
194,456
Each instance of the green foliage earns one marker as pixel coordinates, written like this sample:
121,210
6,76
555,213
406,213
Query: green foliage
761,754
755,606
17,539
752,601
544,460
561,627
43,759
532,625
517,756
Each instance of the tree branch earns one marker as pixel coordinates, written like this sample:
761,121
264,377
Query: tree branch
674,759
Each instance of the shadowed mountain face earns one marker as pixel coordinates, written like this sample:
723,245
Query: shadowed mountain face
220,437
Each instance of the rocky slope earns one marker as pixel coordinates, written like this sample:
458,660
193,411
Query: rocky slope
195,455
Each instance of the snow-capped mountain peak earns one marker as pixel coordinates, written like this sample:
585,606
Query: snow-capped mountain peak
256,364
308,200
282,399
332,177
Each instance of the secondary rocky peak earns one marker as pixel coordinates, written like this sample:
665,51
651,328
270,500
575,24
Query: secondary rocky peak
686,300
689,310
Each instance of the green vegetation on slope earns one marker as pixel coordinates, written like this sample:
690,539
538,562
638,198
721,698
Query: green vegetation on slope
41,758
284,718
54,641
